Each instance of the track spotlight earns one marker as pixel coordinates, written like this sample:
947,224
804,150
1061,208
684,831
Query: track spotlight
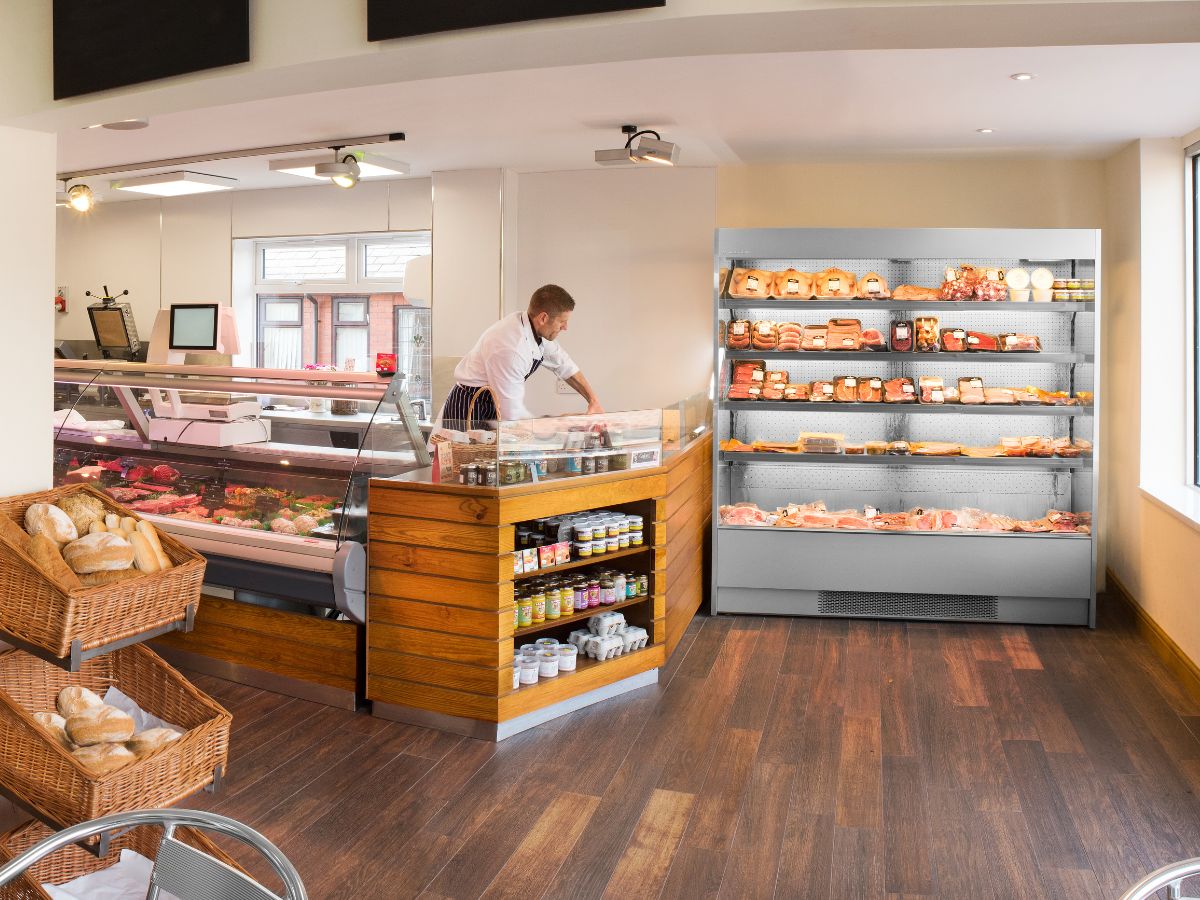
648,150
81,198
343,172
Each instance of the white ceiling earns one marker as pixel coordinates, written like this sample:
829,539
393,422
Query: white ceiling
778,107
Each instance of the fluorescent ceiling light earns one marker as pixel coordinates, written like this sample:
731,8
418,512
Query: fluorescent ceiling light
369,166
175,184
985,130
1023,76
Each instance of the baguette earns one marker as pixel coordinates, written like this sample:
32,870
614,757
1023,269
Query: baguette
129,524
14,533
50,560
144,556
96,579
164,561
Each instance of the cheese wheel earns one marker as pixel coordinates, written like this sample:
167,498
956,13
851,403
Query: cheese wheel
1017,278
1042,278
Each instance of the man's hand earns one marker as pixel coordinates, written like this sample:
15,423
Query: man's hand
581,386
594,408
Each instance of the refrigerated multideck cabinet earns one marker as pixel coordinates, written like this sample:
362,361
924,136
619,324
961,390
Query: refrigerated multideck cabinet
942,575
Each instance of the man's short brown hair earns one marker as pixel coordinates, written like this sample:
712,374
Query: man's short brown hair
551,299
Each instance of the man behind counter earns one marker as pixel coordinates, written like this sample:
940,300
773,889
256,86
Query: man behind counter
506,355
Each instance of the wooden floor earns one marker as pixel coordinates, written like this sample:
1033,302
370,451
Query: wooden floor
788,758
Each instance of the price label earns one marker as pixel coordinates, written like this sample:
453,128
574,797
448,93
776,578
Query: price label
752,282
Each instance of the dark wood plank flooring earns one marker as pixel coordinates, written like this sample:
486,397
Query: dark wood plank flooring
776,758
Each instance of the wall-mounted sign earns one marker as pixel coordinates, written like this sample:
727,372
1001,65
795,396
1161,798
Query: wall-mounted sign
115,43
387,19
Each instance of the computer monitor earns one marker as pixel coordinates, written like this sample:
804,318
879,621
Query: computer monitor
113,327
194,326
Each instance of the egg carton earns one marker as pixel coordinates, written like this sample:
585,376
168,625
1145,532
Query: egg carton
605,646
606,623
633,638
579,639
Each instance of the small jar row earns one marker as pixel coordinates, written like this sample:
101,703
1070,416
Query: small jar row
546,600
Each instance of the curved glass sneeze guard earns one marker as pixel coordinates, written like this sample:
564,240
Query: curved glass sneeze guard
306,480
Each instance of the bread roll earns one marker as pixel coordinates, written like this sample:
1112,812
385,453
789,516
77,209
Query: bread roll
151,739
151,533
72,700
43,518
99,553
104,759
84,509
45,553
97,527
112,522
99,725
96,579
13,533
144,556
56,725
129,524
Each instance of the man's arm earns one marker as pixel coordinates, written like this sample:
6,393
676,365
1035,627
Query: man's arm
584,389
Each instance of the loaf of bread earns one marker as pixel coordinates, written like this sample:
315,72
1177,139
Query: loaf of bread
43,518
84,509
13,533
99,725
99,553
46,554
104,759
74,699
96,579
151,739
56,725
151,533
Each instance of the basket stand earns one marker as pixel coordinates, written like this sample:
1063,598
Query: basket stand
79,656
99,847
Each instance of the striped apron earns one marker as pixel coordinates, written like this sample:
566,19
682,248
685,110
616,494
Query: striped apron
485,415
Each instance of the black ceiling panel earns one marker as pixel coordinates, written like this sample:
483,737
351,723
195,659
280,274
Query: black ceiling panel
103,44
387,19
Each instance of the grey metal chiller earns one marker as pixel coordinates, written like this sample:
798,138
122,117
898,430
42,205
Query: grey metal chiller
947,575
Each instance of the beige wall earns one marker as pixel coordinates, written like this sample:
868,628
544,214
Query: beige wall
634,247
988,193
27,264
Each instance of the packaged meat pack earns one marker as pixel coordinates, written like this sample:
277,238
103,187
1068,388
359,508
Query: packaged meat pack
748,372
789,337
814,337
927,334
876,448
970,390
931,389
873,339
873,286
915,292
1020,343
980,342
796,392
773,378
835,283
937,448
902,336
845,389
854,448
898,448
899,390
999,396
870,390
744,392
751,284
960,284
764,336
792,285
772,392
991,287
822,392
843,334
737,335
954,340
820,442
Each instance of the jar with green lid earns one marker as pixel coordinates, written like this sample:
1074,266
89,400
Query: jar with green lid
525,611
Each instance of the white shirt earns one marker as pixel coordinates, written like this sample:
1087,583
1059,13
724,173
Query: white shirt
502,358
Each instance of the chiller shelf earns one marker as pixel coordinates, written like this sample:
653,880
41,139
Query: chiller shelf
1060,306
892,356
904,409
843,459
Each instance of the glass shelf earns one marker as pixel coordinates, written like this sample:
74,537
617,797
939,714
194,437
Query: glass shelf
842,459
1060,306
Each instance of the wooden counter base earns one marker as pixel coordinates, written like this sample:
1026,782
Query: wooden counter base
440,634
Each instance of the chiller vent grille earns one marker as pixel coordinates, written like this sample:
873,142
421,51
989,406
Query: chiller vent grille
906,606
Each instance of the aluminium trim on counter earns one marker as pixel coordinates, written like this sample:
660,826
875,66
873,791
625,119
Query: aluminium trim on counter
1032,578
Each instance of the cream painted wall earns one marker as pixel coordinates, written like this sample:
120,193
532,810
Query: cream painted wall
634,248
27,261
992,193
197,249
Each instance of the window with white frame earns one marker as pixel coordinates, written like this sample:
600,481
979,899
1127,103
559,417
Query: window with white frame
337,300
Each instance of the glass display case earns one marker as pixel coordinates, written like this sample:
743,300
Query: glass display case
553,448
284,516
907,423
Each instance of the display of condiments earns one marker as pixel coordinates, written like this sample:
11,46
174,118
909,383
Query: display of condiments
541,600
545,543
606,637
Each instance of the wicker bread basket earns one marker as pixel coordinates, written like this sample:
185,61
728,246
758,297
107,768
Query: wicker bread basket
50,615
47,778
72,862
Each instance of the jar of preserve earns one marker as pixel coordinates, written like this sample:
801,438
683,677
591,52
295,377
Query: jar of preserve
608,595
618,581
539,605
525,611
643,585
553,602
593,592
580,595
588,465
631,585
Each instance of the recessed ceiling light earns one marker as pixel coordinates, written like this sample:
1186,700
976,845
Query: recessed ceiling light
369,166
985,130
1022,76
120,125
175,184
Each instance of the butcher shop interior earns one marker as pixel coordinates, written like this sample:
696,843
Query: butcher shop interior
645,448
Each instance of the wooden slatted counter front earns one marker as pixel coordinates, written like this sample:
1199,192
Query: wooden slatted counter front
440,633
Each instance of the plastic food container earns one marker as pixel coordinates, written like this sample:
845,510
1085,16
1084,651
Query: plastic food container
547,662
529,670
516,670
546,643
568,655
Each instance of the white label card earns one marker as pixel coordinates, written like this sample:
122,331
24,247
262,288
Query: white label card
819,340
902,332
907,388
876,383
938,396
752,282
873,286
764,327
827,388
850,382
738,328
847,342
793,286
757,375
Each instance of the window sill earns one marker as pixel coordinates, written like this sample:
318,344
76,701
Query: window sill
1181,500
